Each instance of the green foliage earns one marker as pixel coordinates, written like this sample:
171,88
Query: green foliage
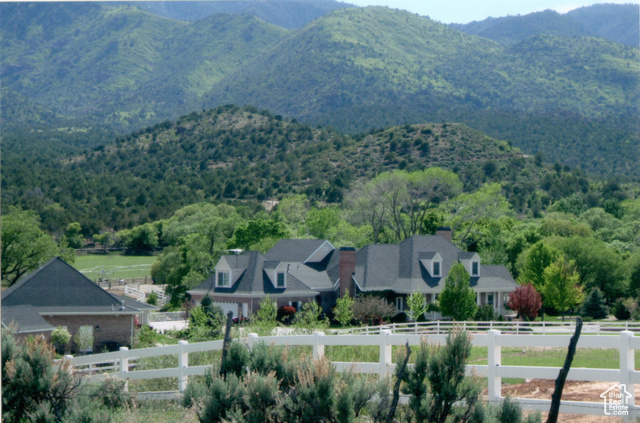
310,317
562,290
537,258
74,235
417,305
60,338
457,300
24,245
437,384
206,322
31,385
84,338
485,313
112,394
152,298
254,233
269,383
140,239
594,305
343,310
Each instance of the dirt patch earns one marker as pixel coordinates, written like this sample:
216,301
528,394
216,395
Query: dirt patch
573,391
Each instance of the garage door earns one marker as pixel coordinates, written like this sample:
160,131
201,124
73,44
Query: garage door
228,307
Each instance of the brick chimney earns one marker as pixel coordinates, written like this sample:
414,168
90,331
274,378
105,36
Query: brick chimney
347,266
445,232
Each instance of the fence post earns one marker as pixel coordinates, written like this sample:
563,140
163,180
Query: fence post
183,363
252,338
494,352
385,353
627,366
124,367
318,345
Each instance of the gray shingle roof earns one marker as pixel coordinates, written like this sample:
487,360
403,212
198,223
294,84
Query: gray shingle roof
398,267
58,287
296,250
26,318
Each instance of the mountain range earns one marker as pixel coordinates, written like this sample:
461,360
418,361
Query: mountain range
90,67
615,22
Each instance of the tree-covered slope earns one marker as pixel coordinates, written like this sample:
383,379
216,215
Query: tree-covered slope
120,65
513,29
615,22
291,14
362,68
241,154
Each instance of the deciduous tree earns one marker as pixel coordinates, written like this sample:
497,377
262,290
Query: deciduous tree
526,301
562,289
24,245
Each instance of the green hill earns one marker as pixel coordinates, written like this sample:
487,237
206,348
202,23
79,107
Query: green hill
241,154
614,22
291,14
120,69
120,65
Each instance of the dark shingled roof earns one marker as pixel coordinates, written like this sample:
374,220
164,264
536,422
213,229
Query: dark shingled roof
296,250
398,267
58,287
26,319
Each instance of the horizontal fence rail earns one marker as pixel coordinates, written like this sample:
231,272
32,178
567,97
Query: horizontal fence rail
515,327
122,363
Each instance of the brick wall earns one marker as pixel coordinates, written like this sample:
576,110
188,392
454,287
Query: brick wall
107,329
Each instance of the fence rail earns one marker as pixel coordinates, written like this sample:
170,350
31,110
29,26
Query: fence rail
121,363
514,327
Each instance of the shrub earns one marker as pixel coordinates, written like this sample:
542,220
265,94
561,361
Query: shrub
31,385
152,298
60,338
286,314
485,313
370,309
620,311
112,394
343,311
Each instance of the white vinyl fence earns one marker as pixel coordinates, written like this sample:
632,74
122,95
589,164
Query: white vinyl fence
118,363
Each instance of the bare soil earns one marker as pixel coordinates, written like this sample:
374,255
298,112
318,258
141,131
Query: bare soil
573,391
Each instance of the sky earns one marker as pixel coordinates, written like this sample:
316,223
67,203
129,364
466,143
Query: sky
464,11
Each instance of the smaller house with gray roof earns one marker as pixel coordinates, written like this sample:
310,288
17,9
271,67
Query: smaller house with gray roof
56,294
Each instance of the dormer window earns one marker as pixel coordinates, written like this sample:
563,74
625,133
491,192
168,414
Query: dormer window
475,268
437,269
280,280
432,263
223,280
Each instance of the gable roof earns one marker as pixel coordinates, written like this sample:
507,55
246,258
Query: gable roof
56,287
300,250
401,267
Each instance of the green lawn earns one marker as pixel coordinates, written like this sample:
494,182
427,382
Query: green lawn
114,266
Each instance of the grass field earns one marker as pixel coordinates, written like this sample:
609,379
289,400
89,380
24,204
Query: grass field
114,266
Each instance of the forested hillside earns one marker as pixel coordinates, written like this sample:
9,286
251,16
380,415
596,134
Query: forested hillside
291,14
246,155
99,68
615,22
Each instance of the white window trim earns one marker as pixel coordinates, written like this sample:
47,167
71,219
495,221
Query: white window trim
472,273
275,280
433,270
221,272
